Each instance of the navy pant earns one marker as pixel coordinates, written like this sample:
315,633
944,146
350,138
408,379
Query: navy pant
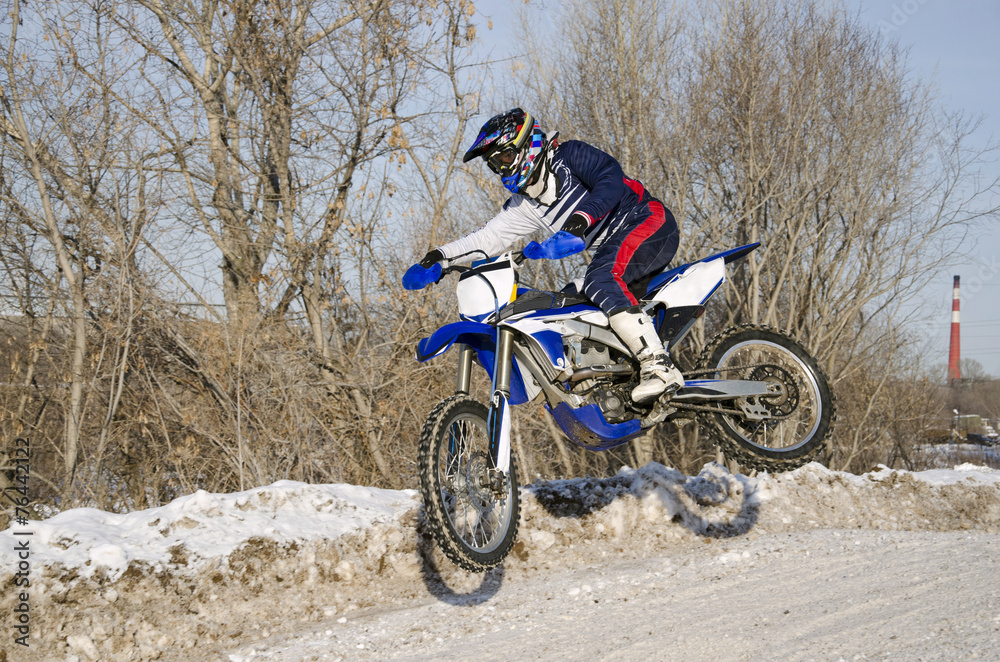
644,244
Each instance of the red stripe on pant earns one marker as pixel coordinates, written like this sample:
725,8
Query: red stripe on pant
632,243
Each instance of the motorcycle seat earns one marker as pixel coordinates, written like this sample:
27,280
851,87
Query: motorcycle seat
528,300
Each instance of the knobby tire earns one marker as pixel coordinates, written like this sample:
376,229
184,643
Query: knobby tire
455,431
735,436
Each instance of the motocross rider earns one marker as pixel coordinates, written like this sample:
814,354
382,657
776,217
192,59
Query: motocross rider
577,189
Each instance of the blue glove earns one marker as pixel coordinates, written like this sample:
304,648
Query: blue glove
559,245
418,277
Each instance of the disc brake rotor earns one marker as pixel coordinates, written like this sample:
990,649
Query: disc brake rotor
785,403
477,480
778,406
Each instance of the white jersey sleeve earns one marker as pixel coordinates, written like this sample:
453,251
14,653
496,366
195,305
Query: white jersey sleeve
520,217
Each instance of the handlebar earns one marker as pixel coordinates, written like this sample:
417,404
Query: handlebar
518,257
418,277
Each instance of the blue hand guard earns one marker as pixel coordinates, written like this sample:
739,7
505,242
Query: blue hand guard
559,245
418,277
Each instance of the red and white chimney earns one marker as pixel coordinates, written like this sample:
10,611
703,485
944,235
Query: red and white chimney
955,353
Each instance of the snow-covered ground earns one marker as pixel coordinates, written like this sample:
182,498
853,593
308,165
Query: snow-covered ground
650,564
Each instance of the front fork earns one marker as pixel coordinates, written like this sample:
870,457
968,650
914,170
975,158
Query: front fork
498,421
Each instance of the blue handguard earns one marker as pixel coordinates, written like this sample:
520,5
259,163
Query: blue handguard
559,245
418,277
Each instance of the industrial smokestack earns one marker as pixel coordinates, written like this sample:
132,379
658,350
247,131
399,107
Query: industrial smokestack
955,353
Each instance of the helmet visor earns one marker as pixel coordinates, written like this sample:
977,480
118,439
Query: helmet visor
504,161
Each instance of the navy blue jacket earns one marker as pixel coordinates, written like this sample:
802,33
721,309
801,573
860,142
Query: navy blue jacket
591,183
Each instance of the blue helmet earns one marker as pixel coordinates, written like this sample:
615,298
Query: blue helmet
512,145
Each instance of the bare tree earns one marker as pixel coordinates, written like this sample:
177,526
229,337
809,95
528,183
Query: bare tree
279,128
291,158
815,141
788,123
64,135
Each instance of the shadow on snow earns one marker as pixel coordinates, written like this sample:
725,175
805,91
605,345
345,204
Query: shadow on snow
713,504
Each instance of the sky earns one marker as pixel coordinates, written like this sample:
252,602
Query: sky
953,45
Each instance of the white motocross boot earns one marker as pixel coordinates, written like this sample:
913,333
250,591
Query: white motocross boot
658,373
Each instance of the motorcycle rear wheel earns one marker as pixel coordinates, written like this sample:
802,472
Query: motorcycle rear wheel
803,415
473,525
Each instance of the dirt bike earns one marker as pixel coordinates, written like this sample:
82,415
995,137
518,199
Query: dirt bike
763,399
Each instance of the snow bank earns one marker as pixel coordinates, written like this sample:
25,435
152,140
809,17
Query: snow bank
203,527
962,473
207,569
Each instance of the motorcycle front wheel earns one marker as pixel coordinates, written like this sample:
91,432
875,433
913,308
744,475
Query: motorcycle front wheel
797,421
472,517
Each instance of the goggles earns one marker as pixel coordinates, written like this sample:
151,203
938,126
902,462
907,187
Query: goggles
504,161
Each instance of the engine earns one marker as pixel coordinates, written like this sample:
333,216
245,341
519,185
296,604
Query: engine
586,353
599,379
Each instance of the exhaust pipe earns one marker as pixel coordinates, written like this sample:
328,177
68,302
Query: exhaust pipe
601,370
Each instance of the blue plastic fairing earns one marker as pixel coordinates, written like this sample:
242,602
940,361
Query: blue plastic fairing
551,343
482,339
729,256
587,427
